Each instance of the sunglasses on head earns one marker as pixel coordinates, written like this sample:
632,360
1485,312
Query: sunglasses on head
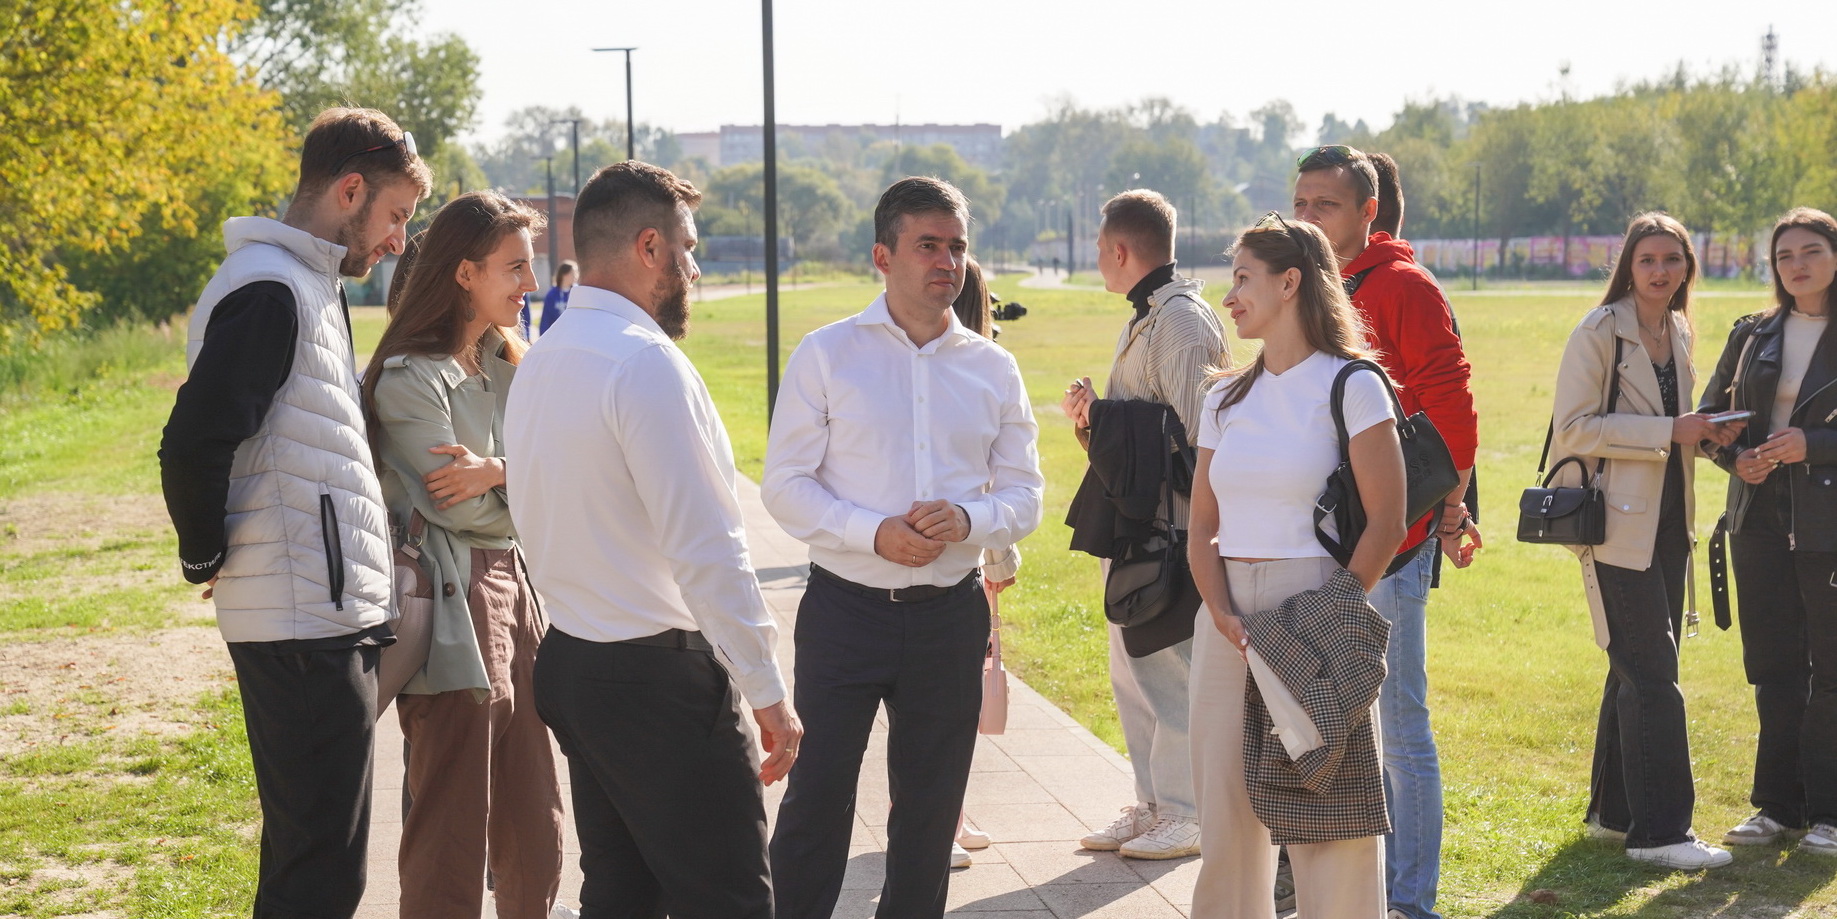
1332,154
407,143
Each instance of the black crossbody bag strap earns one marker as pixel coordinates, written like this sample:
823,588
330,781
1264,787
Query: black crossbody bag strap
1613,402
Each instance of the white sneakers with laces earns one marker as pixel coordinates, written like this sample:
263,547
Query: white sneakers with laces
558,911
1135,820
959,856
1171,836
1691,855
1821,840
1758,830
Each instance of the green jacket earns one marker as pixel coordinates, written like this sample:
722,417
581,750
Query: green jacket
424,401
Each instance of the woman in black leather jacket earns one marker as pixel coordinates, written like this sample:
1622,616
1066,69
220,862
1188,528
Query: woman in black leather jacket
1782,516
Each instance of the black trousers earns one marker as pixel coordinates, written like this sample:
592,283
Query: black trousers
924,660
1641,780
312,728
667,800
1788,616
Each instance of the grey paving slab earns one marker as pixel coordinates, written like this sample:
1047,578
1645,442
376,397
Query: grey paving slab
1036,789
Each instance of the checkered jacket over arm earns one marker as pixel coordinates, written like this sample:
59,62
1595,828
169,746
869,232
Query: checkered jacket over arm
1327,646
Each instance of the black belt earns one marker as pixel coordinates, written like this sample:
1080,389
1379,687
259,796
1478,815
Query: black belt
915,594
680,639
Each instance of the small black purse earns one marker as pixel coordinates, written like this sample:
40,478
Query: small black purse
1428,467
1574,515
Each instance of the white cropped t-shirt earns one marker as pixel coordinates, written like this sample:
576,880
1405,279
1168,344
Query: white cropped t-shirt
1274,451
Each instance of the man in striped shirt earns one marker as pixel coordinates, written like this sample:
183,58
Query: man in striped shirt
1172,340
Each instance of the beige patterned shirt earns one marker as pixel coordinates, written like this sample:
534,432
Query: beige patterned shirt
1166,355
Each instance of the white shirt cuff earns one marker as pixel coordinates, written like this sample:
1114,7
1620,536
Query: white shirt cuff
763,688
982,522
858,535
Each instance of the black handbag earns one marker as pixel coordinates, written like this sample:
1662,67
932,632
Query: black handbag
1150,577
1428,468
1574,515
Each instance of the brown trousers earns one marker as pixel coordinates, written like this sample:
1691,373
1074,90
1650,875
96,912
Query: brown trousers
482,775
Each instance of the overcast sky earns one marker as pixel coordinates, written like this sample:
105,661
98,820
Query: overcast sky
698,63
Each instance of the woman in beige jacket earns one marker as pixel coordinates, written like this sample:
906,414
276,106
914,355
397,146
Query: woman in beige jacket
481,773
1640,790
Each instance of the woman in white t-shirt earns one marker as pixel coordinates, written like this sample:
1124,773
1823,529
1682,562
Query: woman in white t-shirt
1267,443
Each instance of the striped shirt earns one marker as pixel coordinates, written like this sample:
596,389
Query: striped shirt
1165,355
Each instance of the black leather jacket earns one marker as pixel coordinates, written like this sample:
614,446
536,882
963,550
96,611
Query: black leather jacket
1746,377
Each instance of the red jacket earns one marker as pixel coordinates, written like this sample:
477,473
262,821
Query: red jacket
1412,329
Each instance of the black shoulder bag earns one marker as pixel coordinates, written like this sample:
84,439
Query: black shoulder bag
1428,469
1574,515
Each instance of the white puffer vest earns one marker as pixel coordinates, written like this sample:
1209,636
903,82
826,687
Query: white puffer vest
308,535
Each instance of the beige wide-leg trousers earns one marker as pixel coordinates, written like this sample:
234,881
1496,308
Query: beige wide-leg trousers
1333,880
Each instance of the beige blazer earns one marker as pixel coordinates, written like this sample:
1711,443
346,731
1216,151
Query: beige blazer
1635,439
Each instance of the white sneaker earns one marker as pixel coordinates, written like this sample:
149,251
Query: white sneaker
973,838
1758,830
1687,856
558,911
959,857
1822,840
1135,821
1594,830
1171,837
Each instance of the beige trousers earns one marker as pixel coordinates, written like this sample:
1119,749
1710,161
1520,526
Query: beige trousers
1333,880
482,774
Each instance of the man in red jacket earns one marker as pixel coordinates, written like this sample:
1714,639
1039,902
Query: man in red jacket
1412,328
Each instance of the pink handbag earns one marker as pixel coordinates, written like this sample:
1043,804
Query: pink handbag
994,718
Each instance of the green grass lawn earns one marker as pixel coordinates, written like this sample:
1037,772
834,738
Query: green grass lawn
1515,673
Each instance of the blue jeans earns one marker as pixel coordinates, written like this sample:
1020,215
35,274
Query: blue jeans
1412,768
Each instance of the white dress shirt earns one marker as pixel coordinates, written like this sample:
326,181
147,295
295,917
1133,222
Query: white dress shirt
621,483
867,423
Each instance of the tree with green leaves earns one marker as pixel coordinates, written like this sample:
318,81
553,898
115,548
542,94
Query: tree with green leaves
321,53
812,210
122,123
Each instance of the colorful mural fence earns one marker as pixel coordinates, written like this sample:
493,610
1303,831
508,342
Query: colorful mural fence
1720,255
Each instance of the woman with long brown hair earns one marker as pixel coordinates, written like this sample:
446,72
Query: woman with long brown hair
1267,443
481,774
1781,364
1623,397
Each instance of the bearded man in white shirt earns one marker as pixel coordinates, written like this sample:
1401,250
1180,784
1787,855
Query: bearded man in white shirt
902,445
621,483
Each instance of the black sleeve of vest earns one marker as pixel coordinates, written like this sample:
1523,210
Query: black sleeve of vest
247,354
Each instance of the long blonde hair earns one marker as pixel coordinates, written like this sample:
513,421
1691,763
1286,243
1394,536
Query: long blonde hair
1328,319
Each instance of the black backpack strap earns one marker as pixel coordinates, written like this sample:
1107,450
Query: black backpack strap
1353,283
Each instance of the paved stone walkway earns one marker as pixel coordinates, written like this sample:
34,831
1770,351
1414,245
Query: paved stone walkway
1035,789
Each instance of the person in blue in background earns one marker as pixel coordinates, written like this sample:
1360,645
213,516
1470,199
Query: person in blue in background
553,302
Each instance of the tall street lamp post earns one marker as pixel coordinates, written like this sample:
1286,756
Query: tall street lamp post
574,141
631,137
770,133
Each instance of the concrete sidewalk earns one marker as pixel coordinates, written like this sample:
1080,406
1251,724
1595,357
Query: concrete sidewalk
1035,789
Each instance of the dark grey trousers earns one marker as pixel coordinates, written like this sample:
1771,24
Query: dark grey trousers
311,717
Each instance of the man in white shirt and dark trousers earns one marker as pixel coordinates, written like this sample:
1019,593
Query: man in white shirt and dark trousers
902,445
621,482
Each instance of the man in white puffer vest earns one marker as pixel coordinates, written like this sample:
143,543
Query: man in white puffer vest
269,481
